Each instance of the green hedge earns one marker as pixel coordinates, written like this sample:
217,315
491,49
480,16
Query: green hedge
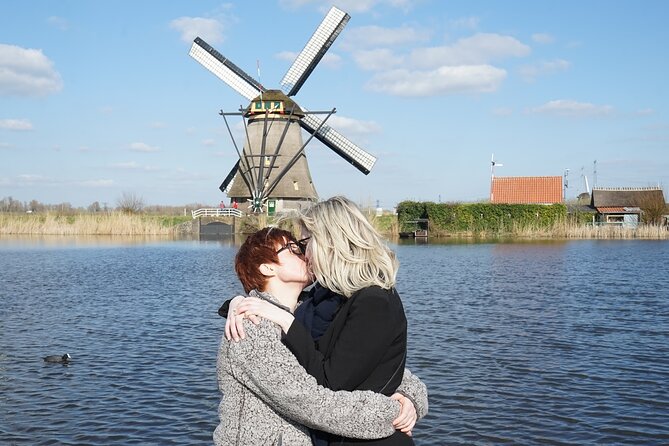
479,217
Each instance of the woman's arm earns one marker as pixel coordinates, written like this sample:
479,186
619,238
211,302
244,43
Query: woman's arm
408,399
414,389
264,365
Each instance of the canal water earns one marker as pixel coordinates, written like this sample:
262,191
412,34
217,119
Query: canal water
561,343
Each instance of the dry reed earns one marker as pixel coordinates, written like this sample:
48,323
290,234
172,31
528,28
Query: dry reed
563,230
83,224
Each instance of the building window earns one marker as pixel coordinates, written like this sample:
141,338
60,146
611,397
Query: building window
296,185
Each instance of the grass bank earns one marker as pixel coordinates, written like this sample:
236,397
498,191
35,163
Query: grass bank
563,230
89,224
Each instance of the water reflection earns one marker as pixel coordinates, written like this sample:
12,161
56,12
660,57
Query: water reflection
519,343
82,241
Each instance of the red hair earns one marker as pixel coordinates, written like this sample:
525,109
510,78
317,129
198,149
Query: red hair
258,248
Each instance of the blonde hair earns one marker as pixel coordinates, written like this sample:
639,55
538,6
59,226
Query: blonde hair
345,252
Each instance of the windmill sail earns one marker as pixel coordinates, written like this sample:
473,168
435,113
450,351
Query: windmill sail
325,35
224,187
339,144
224,69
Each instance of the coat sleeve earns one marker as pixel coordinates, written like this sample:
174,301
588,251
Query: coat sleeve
414,389
267,368
371,326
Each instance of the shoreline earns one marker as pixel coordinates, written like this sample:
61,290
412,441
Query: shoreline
119,224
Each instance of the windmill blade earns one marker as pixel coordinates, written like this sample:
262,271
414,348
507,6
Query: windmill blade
325,35
225,70
362,160
228,180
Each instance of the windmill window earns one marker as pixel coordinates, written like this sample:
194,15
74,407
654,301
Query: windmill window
272,106
296,185
267,161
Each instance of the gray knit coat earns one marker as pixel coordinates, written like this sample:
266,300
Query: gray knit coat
269,399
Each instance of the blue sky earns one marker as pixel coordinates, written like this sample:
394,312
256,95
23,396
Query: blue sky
98,98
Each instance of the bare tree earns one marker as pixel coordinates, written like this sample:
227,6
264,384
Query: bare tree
36,206
8,204
653,209
129,203
94,207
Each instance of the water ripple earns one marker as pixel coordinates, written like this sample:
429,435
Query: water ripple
519,344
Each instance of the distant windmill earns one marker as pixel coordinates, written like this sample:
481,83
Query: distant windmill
493,164
272,163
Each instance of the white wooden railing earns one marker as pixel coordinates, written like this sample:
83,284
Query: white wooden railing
217,212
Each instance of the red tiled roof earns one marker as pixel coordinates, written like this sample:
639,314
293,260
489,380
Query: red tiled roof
527,190
618,210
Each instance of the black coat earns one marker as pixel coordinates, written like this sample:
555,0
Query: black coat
363,349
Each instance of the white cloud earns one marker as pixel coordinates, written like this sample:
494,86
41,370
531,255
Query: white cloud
330,60
96,183
130,165
478,49
566,107
441,81
209,142
58,23
502,111
360,6
350,126
32,179
350,6
531,72
27,72
294,4
15,124
377,60
157,125
142,147
5,145
210,30
645,112
470,23
289,56
543,38
376,36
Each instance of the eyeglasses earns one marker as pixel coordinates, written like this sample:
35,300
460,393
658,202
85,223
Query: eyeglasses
299,248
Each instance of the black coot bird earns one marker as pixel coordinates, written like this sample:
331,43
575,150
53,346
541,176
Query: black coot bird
58,359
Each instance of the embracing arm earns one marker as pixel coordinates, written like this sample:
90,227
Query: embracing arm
414,389
264,365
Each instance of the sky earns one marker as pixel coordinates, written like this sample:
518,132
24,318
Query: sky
99,99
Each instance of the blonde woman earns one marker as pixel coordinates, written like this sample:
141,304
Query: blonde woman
364,345
268,398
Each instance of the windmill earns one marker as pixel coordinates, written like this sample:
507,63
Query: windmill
493,163
272,163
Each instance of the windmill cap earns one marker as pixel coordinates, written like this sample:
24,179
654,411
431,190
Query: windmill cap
274,96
